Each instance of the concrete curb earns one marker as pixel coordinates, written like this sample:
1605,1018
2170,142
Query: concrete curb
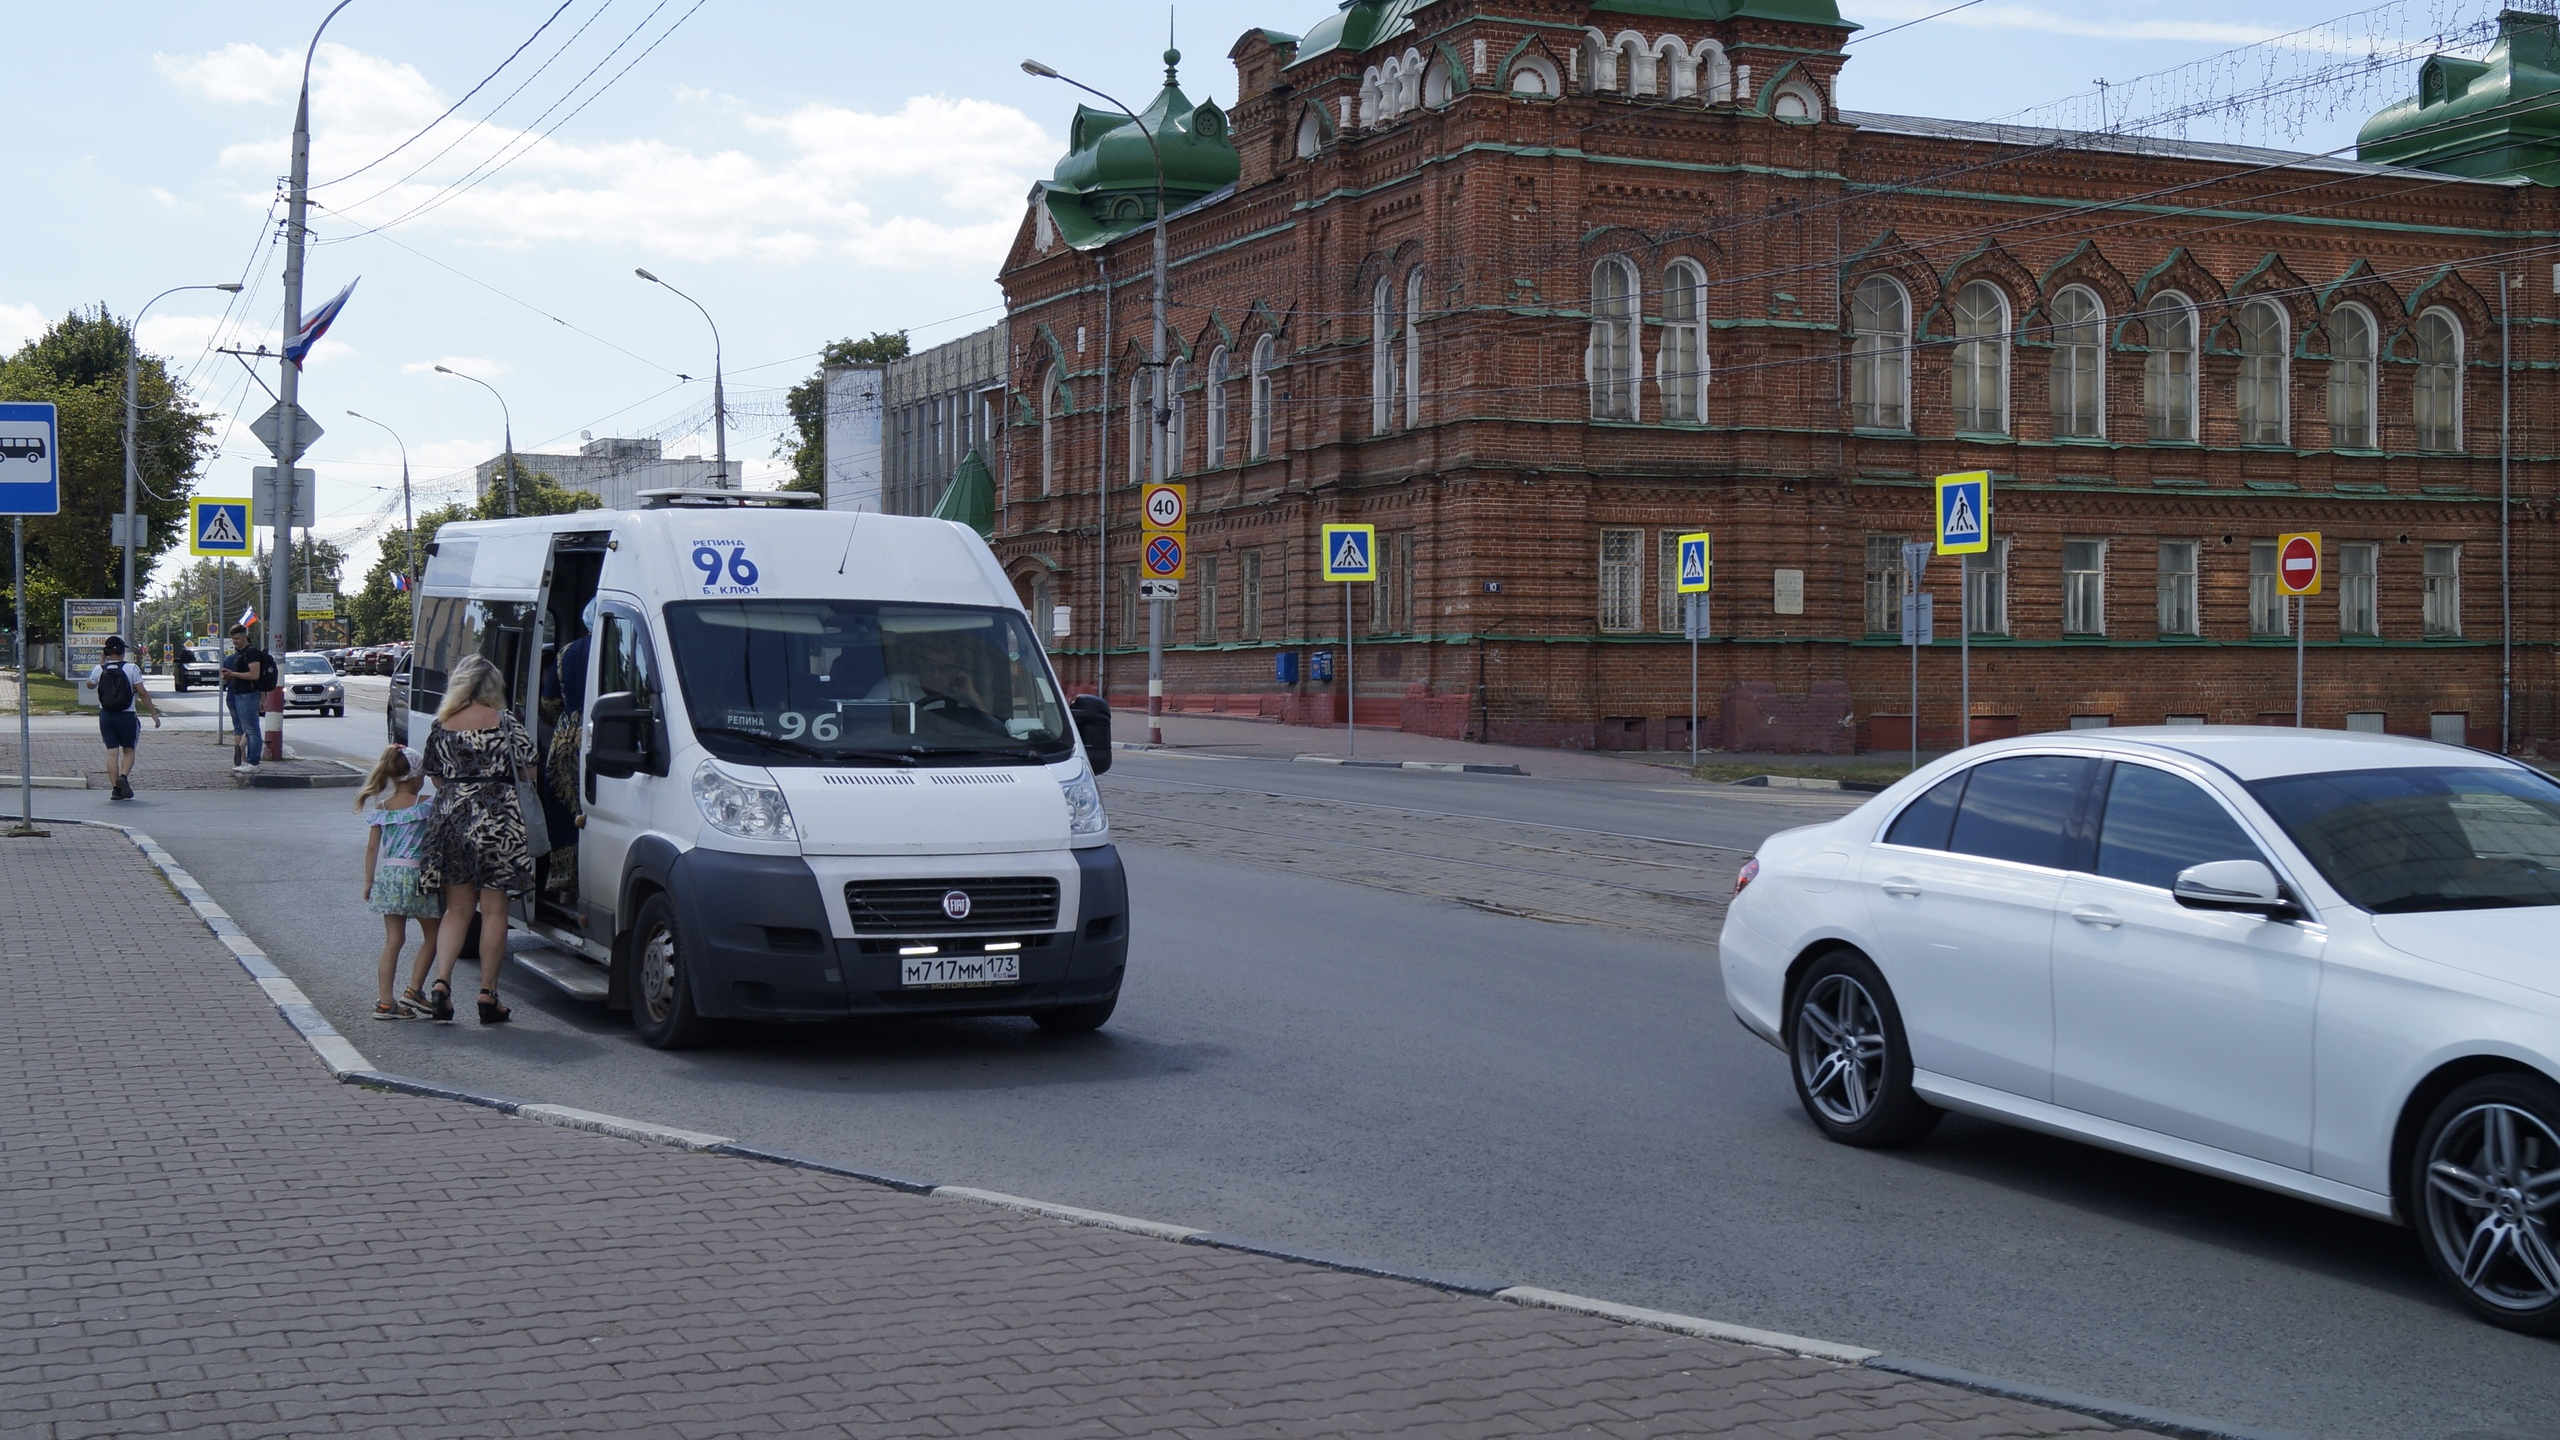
1813,782
1446,767
348,1066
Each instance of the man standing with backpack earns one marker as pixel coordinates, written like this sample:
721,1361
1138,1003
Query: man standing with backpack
119,688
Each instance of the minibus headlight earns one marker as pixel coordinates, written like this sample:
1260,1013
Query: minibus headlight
1084,805
741,807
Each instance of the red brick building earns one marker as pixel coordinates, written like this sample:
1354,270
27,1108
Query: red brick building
1534,288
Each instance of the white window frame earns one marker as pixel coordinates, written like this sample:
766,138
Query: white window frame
1053,389
2169,369
2439,379
2442,569
2179,613
1680,362
2079,361
2084,587
1986,578
2359,589
1621,581
1177,423
1214,393
1879,356
2353,423
1886,580
1979,353
2256,386
1413,347
1382,358
2270,611
1258,434
1613,359
1142,424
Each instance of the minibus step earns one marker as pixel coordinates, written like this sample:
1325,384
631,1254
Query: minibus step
574,977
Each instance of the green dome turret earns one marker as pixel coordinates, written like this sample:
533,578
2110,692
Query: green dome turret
2495,118
1106,185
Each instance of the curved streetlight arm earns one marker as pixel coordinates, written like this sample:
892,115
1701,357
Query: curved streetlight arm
408,517
505,415
719,390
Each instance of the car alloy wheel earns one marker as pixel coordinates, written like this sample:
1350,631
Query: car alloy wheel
1840,1049
2492,1200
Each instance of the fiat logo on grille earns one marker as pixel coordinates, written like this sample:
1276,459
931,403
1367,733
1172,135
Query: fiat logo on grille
956,904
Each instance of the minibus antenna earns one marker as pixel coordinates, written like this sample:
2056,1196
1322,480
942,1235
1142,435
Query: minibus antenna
850,531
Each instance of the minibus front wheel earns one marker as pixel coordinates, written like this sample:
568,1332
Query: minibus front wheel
662,980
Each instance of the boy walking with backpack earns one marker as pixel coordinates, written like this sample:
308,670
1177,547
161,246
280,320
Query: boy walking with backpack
119,688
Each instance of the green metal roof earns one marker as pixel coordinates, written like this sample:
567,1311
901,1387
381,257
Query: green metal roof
2496,117
1358,26
1106,184
1801,12
970,498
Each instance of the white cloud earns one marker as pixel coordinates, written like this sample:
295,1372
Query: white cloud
478,367
182,337
936,183
1877,13
18,325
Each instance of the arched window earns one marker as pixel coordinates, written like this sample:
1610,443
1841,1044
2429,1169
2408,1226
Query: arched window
1796,102
1053,403
1610,361
2439,388
1413,346
2351,378
1176,435
2169,370
1535,76
1980,388
2079,365
1382,357
1215,392
2262,374
1680,367
1265,357
1310,134
1879,355
1142,424
1439,85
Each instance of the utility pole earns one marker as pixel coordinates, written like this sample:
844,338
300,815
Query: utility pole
719,392
289,392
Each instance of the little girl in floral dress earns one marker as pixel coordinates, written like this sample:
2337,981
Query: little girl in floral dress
396,826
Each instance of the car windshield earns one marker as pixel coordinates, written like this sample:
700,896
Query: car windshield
307,665
830,682
2400,841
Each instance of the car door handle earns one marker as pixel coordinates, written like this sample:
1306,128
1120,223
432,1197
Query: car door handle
2104,919
1901,887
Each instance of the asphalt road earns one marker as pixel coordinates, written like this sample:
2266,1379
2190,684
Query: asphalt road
1353,1067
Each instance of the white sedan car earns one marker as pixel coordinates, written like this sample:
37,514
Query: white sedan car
2306,960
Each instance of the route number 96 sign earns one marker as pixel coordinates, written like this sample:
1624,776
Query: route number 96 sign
726,567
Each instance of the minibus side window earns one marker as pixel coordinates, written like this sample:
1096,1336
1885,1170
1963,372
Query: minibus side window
622,657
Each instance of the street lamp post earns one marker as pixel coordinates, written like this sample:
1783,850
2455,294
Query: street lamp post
1159,402
503,414
719,395
408,517
133,429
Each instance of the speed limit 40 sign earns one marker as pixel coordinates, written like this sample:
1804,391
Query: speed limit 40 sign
1167,507
2298,563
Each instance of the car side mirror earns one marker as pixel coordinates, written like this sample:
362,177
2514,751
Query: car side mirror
1093,725
2243,886
622,726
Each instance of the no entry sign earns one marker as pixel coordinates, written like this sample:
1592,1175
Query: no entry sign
2298,563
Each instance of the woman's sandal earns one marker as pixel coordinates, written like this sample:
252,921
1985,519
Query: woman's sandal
413,1003
440,1003
385,1010
491,1012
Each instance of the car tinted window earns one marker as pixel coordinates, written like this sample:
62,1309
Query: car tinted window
2158,824
1926,822
2020,809
2405,841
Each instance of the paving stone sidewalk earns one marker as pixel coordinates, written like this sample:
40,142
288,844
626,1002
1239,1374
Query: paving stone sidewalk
203,1234
171,757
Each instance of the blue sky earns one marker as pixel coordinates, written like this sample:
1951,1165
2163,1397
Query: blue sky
807,169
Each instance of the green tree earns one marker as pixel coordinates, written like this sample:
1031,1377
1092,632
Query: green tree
804,445
78,364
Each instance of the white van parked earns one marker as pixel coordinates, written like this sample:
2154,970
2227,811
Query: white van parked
824,767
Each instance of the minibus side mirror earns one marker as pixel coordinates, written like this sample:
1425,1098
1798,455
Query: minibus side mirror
1093,725
624,724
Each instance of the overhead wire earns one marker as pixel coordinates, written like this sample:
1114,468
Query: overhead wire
456,105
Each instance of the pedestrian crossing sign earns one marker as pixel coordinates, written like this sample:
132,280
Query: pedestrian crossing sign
1351,552
1964,513
1694,567
218,527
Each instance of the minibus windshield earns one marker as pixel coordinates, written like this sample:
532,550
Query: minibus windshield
836,682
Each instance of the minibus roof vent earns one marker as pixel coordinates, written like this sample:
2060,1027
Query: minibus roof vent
676,496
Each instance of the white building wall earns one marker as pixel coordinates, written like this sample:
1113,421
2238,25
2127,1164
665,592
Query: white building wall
852,437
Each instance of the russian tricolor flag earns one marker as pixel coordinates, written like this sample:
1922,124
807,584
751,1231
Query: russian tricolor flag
316,324
399,582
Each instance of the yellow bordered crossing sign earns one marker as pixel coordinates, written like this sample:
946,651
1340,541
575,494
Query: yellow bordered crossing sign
218,527
1964,513
1351,552
1696,569
2298,563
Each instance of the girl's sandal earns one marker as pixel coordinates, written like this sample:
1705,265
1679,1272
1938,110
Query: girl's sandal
413,1003
385,1010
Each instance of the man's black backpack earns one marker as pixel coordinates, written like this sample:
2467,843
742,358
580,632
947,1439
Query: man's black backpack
115,688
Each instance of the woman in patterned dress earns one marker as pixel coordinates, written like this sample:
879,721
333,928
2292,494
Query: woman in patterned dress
475,844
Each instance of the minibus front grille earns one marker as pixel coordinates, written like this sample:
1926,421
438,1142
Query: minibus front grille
919,907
